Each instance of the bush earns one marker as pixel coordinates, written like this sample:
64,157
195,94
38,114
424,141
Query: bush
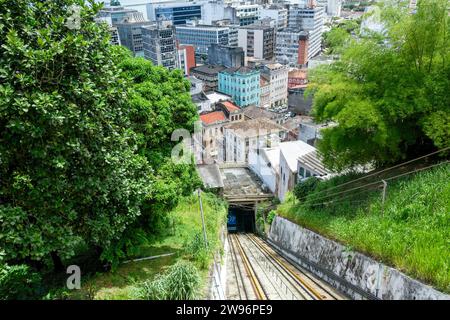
19,282
180,282
272,214
302,189
198,252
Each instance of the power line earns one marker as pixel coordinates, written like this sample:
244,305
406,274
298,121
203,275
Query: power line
379,172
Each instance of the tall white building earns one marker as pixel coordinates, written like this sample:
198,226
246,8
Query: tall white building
258,41
278,77
277,13
309,19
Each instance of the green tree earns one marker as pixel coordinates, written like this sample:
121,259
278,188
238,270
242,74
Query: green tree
389,94
69,164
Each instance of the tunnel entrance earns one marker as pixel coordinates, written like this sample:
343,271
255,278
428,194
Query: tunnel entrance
241,218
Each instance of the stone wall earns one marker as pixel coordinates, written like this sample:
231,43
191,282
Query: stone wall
353,273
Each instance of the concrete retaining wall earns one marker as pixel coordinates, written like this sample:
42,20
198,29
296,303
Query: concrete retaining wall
353,273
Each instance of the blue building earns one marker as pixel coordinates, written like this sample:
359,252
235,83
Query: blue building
175,11
242,84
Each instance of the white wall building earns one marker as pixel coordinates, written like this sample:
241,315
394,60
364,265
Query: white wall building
277,13
289,153
241,137
264,163
278,77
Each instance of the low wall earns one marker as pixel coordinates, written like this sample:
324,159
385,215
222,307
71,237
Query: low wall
353,273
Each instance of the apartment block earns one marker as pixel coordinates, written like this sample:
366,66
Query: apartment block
242,84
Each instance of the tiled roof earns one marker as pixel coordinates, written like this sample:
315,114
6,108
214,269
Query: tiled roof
231,107
241,70
255,127
213,117
254,112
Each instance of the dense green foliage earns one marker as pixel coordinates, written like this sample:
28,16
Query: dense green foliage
85,134
180,282
18,282
389,93
411,233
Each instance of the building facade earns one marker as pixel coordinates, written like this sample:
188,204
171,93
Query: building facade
257,40
186,58
292,47
160,44
227,56
278,79
202,36
241,138
209,74
178,12
310,19
130,32
277,13
242,84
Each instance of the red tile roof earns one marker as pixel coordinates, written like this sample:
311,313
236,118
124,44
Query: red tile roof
213,117
230,106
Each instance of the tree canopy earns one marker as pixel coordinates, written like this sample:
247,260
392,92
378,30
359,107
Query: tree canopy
389,93
84,135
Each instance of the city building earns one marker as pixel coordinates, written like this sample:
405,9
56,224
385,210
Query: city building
297,77
257,40
264,96
115,11
186,58
130,32
310,19
115,38
202,36
289,153
243,136
227,56
298,102
238,13
278,79
209,74
292,47
176,11
310,131
254,112
310,165
242,84
160,44
277,13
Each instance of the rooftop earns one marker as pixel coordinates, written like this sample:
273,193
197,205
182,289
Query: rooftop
210,175
292,150
298,73
254,112
241,185
241,70
208,69
230,106
255,127
199,97
213,117
215,97
313,161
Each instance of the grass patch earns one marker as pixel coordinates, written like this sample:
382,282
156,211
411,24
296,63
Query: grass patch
412,233
124,282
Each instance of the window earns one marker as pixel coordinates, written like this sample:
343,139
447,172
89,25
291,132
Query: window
308,173
301,172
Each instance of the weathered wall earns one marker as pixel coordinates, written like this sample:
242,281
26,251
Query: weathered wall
351,272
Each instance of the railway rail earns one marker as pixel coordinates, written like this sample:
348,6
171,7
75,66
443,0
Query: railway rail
258,272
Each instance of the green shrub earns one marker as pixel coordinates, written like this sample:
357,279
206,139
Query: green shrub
272,214
198,252
302,189
19,282
180,282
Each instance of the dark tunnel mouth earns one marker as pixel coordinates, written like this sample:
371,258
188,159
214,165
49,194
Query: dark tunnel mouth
241,219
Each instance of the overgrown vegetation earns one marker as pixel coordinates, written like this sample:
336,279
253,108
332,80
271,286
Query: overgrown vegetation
388,93
85,141
411,232
182,236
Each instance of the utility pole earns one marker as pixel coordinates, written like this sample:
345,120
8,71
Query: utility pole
383,199
203,217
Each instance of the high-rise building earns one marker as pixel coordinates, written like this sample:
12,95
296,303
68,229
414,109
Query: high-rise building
309,19
159,44
115,11
202,36
292,47
227,56
237,13
277,13
115,39
257,40
177,11
242,84
130,32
